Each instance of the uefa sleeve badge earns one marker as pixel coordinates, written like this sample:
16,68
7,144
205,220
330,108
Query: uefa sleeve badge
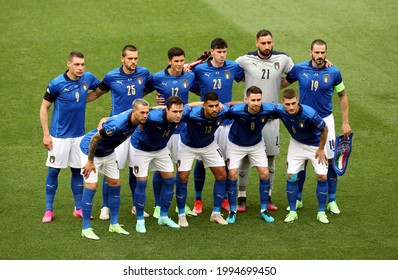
342,151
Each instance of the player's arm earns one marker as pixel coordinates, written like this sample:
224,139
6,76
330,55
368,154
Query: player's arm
98,92
195,103
285,82
232,103
320,152
89,166
45,106
345,126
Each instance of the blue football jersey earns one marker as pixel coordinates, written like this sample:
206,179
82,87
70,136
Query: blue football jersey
199,131
316,85
117,129
154,134
69,111
246,128
125,88
168,85
218,79
305,127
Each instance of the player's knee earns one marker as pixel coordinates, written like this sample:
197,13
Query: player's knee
292,178
321,177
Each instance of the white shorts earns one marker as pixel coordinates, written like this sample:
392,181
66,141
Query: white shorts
106,165
123,153
65,152
329,147
255,153
298,153
211,156
172,145
271,137
221,136
158,160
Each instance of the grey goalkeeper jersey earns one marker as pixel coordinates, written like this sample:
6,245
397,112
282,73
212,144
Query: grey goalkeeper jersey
265,73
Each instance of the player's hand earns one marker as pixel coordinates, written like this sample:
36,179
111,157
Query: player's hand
101,123
321,156
346,129
328,63
48,142
159,100
88,167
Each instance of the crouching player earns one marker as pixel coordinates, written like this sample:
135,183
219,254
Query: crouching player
98,152
308,137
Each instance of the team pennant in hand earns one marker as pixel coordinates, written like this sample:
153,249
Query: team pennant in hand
342,151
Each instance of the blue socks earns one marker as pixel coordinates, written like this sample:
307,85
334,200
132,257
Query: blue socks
157,186
166,196
300,181
76,183
264,193
332,184
51,186
291,192
181,195
199,174
114,204
322,194
132,184
232,190
87,206
105,193
140,199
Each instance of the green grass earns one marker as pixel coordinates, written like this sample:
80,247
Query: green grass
35,38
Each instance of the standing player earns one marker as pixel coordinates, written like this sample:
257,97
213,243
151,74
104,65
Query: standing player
217,75
98,151
263,68
126,83
317,84
149,146
245,140
197,139
172,81
68,92
308,137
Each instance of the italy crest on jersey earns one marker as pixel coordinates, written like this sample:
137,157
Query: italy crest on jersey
227,75
136,169
185,83
85,86
326,78
139,80
263,119
277,65
301,124
342,151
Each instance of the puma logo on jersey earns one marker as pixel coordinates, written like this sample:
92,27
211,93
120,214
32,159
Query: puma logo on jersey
164,83
119,82
305,75
254,63
207,75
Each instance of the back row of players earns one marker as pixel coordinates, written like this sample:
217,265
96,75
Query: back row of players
244,135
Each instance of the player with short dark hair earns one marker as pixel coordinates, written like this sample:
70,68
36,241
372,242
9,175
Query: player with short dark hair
172,81
245,140
69,93
149,148
218,75
197,140
308,137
